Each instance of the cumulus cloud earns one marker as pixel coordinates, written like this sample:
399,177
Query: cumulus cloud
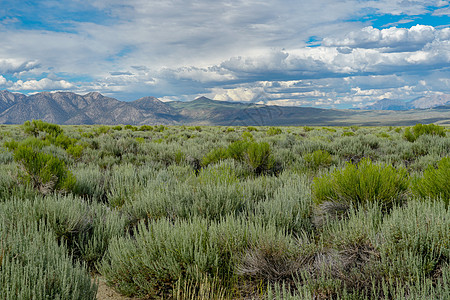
400,39
43,84
229,50
2,80
11,65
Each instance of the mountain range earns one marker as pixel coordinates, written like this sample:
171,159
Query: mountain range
428,101
94,108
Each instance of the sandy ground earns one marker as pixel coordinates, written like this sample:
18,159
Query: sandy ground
107,293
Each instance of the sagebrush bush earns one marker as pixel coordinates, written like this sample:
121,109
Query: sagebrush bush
245,225
84,229
290,207
435,182
365,183
34,266
161,253
414,242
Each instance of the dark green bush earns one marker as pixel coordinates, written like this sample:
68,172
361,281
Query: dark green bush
146,128
36,126
61,140
215,156
32,142
420,129
75,150
274,131
435,183
117,128
348,133
237,150
259,158
45,172
130,127
362,184
318,159
159,128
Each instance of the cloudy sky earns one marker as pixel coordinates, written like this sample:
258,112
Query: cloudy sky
321,53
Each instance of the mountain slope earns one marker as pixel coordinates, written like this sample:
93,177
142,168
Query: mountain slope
94,108
424,102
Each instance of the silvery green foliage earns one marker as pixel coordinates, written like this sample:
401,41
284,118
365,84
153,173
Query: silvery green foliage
32,263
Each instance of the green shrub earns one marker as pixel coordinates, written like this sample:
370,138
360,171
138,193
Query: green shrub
435,183
75,150
274,131
130,127
318,159
146,128
44,171
117,128
36,126
348,133
259,158
32,142
99,130
247,136
159,128
61,140
251,128
237,150
362,184
215,156
420,129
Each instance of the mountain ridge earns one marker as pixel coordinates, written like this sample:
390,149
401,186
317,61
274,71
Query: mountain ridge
424,102
67,108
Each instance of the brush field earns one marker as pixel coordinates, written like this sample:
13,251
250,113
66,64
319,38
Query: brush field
175,212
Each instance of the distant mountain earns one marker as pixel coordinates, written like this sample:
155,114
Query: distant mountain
429,101
388,104
424,102
94,108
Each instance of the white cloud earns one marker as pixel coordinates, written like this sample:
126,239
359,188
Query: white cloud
240,94
232,50
13,65
403,39
2,80
43,84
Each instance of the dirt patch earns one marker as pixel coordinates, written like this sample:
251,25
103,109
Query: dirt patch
107,293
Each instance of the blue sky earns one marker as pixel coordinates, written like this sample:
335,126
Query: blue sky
320,53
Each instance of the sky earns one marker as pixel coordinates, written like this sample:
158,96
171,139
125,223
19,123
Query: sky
320,53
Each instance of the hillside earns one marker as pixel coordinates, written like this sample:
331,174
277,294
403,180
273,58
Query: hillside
94,108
